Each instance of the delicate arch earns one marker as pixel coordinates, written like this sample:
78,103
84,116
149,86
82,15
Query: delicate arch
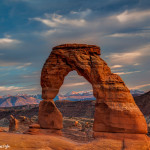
115,109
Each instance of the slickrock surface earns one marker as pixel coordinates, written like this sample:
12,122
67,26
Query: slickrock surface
115,109
43,142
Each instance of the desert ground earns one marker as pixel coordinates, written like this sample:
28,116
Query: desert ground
77,134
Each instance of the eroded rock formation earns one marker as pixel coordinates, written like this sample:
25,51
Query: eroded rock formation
49,116
19,125
13,124
115,109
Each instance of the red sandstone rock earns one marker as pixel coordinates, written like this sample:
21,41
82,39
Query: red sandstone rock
115,109
37,142
35,131
2,130
49,116
13,124
129,141
36,126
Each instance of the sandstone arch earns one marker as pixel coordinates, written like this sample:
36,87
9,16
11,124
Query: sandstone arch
115,109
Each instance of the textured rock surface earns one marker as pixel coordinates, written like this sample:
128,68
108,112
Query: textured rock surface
49,116
19,125
36,129
13,124
115,109
43,142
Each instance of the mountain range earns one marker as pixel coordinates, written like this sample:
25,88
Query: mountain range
83,109
143,101
24,99
74,96
136,92
18,100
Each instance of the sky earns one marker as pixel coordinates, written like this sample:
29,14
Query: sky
30,28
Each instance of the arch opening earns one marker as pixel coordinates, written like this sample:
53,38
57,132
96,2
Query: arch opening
75,88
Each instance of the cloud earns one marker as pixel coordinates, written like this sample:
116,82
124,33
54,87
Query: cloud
87,26
126,58
144,49
8,42
24,65
140,86
7,63
136,64
116,66
4,88
75,84
14,88
124,73
33,75
69,25
108,24
82,14
127,35
14,64
131,57
55,20
133,16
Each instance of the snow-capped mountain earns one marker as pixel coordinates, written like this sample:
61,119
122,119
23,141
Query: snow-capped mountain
76,96
136,92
